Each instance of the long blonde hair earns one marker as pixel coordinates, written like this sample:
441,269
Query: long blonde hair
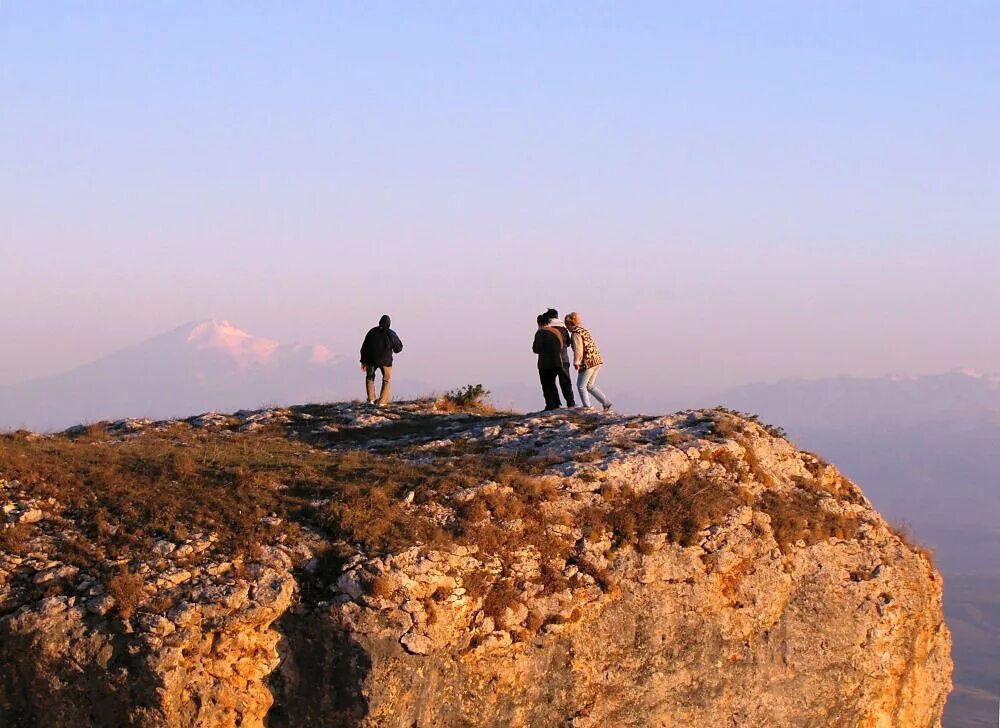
572,320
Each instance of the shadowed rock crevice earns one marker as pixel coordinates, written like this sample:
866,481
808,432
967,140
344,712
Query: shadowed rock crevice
321,677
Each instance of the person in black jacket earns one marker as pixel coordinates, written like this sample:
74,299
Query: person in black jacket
377,349
565,383
548,344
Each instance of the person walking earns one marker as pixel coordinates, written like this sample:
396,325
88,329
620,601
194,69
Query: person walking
565,383
587,361
547,344
377,349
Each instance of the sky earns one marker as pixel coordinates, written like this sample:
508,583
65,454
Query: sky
726,192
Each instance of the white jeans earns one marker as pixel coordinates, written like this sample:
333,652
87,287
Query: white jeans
585,382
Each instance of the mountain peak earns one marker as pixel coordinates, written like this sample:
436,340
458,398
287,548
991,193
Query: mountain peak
221,335
205,364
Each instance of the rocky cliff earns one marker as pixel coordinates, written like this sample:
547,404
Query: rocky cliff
332,565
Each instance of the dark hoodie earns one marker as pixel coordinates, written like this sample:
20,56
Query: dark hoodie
380,344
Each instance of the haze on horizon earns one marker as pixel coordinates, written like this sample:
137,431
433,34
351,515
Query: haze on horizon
726,197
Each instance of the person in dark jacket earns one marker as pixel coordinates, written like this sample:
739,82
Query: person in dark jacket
565,382
548,344
377,349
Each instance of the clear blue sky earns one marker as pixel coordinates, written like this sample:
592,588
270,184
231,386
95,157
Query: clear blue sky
725,191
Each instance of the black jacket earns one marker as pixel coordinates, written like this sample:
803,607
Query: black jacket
548,345
379,345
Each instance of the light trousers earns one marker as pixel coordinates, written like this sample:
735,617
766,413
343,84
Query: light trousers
386,391
586,384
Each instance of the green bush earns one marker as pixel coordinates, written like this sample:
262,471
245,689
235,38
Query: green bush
471,395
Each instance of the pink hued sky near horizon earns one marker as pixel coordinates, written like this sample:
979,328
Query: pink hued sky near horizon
774,191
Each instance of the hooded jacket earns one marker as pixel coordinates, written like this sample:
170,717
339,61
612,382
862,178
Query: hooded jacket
380,344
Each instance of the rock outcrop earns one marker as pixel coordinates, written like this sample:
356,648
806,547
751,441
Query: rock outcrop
689,570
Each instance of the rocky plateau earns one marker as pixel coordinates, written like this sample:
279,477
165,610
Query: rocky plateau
420,566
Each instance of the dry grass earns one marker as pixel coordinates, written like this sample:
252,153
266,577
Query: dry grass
683,509
164,485
127,493
175,484
679,510
904,532
796,515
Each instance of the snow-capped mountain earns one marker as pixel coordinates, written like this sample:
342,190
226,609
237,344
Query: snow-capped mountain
200,366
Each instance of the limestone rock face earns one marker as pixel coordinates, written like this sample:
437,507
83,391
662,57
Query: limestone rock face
759,641
204,663
689,570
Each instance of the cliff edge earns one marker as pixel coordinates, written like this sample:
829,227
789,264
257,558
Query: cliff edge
333,565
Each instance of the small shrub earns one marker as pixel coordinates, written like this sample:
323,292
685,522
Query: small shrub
381,587
127,590
534,622
476,583
503,594
15,538
470,398
774,430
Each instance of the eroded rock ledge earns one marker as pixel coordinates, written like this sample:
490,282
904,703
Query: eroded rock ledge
694,569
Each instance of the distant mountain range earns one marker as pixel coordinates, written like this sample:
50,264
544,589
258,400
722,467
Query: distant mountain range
206,365
924,447
834,403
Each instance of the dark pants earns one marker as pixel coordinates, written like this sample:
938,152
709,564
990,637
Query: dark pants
566,384
548,379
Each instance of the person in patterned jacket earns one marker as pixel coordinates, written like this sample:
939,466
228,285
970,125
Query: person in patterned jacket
587,362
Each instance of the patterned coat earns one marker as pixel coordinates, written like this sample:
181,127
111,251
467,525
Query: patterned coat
587,353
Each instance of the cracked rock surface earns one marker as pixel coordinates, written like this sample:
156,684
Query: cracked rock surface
694,569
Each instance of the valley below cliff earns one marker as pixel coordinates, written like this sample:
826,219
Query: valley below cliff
420,565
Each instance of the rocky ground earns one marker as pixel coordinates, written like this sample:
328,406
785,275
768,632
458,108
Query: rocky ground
414,567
